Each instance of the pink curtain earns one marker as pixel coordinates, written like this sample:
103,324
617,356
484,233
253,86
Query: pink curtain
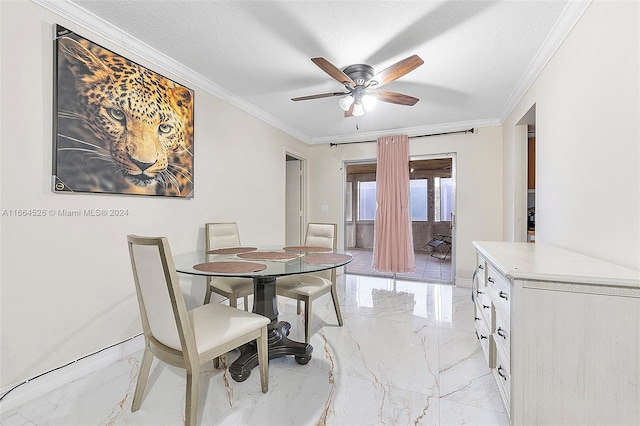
393,240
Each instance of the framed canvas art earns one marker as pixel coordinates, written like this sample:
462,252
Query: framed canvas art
119,128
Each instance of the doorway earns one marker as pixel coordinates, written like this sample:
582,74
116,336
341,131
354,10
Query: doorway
294,200
432,181
525,188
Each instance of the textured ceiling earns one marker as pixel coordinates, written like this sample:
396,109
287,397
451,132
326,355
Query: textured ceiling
479,56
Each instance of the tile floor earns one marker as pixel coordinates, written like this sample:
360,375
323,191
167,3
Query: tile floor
406,355
428,268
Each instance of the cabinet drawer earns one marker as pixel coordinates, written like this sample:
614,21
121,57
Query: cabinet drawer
502,333
502,375
481,271
479,287
481,292
501,289
483,333
484,301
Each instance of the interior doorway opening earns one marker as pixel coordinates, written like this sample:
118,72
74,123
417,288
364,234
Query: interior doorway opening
295,207
525,190
432,200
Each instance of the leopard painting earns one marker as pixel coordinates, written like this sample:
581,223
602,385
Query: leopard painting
121,128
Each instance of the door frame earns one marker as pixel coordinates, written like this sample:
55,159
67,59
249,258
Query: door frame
453,157
301,193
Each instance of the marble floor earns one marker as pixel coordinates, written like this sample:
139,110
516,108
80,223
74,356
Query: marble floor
406,355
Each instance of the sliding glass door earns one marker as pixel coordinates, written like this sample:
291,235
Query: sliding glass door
432,209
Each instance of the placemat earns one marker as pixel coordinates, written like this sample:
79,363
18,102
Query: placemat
232,267
308,249
326,258
268,255
231,250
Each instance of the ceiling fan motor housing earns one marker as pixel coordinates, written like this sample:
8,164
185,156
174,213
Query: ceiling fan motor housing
359,73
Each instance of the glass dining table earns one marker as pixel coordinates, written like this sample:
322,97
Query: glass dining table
264,265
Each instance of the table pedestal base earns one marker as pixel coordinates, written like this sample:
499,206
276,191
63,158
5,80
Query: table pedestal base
265,303
279,345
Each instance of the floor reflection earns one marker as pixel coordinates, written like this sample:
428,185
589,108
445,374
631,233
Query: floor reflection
431,301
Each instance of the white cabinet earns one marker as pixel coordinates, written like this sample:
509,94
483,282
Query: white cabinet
562,334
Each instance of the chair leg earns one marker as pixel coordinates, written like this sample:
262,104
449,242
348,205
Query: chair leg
336,305
233,301
263,359
143,375
246,303
191,400
298,310
207,294
307,320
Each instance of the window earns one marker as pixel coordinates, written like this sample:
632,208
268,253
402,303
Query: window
443,191
366,200
418,197
348,202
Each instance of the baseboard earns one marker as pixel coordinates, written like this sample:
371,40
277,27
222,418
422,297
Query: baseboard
464,282
21,393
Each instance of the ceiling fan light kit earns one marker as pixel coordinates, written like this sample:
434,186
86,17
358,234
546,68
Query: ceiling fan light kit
358,110
361,83
346,102
369,101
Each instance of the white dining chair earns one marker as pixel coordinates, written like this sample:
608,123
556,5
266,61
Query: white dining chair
225,235
182,338
308,287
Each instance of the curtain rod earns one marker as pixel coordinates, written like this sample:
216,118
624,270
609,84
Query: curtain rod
418,136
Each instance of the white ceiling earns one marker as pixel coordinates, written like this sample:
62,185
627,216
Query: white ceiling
479,56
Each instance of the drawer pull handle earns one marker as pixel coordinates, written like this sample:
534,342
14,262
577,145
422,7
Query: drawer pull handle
500,332
480,336
479,292
477,319
490,280
504,376
480,267
504,295
486,306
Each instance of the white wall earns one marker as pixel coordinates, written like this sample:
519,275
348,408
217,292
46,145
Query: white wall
478,180
67,288
587,103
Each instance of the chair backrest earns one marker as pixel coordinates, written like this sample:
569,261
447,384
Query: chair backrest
162,308
323,235
221,235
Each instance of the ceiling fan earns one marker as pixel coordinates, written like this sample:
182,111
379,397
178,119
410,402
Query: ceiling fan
362,85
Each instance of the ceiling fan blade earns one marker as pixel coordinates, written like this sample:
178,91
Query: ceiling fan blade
333,71
349,112
321,95
397,70
396,98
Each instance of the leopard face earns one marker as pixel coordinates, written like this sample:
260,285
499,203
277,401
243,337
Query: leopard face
128,129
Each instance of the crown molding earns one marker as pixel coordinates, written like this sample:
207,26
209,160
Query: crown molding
112,34
93,24
569,18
